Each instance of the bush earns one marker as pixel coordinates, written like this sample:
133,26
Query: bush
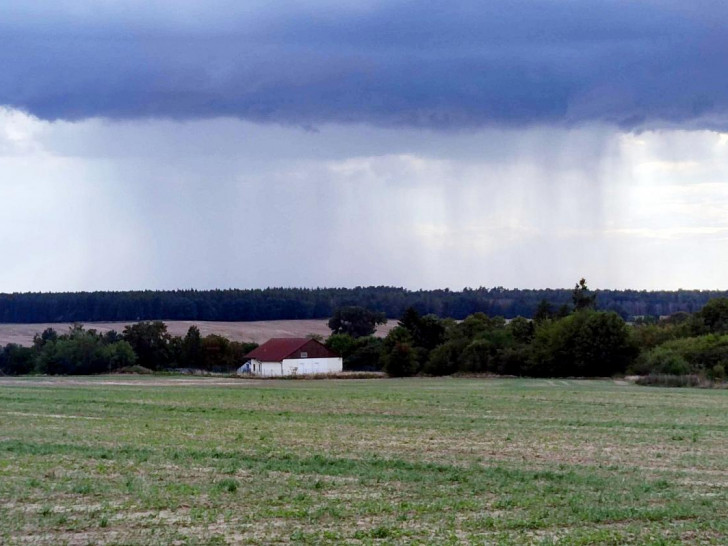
717,372
664,360
151,343
486,353
16,360
81,352
400,361
343,344
360,354
702,353
649,336
586,343
515,360
444,360
139,370
665,380
715,315
478,356
366,357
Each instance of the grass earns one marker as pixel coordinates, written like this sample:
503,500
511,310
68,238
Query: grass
667,380
146,460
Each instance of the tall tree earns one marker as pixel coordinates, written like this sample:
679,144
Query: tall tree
151,343
356,321
427,331
192,350
544,311
582,297
715,315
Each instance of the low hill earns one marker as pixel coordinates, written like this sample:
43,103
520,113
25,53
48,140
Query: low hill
256,331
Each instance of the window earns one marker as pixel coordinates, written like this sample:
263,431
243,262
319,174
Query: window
304,354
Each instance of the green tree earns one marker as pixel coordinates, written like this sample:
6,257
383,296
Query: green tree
485,353
151,343
118,354
427,331
544,311
478,324
366,355
49,334
444,359
701,353
16,360
355,321
582,297
342,344
112,336
715,316
478,356
82,352
191,348
400,360
216,353
399,357
237,352
664,360
589,343
521,329
563,311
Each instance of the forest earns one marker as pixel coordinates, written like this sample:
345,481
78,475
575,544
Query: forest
319,303
574,339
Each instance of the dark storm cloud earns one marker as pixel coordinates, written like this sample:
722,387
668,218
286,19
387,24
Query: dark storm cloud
399,63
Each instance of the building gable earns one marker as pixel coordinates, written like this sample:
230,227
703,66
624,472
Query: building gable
312,349
279,349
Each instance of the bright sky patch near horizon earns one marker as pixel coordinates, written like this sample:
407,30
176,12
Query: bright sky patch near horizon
522,144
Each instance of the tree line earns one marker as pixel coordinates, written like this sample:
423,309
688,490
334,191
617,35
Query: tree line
144,346
569,340
301,303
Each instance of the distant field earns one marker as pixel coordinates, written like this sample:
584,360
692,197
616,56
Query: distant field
257,332
164,460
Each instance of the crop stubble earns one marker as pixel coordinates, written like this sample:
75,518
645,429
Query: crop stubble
159,461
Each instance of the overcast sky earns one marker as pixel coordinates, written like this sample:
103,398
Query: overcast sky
522,143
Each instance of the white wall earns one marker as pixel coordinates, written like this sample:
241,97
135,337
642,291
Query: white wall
303,366
264,368
297,366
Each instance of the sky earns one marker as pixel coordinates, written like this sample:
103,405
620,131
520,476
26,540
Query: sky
219,144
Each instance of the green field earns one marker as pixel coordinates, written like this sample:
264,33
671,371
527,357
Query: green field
439,461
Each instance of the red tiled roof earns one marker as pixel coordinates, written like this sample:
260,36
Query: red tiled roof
278,348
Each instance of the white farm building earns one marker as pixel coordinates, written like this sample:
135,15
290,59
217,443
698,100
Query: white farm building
292,356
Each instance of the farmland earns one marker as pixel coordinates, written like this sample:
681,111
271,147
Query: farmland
159,460
253,331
